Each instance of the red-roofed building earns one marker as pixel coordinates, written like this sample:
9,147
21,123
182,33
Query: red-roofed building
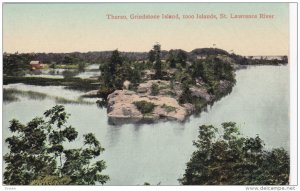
36,65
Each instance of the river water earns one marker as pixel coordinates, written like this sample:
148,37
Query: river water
157,153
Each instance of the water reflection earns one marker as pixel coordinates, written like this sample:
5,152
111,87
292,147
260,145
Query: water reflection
91,71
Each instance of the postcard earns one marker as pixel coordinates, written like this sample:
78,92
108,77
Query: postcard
159,94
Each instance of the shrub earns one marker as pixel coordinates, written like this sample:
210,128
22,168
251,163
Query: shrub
144,107
168,108
154,89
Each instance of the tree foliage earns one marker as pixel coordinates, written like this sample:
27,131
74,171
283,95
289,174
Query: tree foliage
177,56
37,153
156,54
231,159
181,58
212,70
118,70
16,64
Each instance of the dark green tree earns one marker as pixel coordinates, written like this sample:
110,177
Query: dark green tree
136,74
37,154
16,64
70,59
157,62
151,56
186,95
109,75
181,58
172,59
231,159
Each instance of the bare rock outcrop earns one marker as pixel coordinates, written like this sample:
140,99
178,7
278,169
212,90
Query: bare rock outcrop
121,108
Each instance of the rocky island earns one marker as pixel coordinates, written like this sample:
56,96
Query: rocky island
171,89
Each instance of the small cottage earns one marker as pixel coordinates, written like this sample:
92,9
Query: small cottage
36,65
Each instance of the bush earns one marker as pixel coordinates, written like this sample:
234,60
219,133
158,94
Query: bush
154,89
144,107
168,108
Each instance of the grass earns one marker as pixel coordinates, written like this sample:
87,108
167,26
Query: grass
11,95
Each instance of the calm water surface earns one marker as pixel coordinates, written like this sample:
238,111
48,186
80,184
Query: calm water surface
157,153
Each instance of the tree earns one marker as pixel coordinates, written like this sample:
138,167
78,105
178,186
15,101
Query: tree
186,95
69,59
118,70
109,70
181,58
172,59
157,62
37,154
151,56
16,64
231,159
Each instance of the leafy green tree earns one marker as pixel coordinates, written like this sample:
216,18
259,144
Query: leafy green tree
37,154
16,64
231,159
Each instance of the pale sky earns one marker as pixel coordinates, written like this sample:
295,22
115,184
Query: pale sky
84,27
